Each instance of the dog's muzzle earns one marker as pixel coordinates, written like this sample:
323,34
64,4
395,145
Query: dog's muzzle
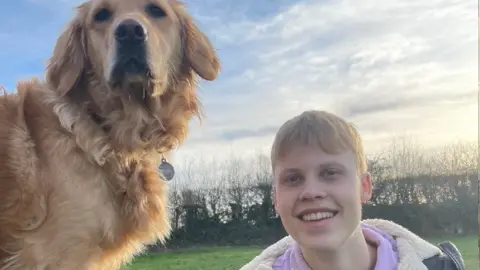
131,55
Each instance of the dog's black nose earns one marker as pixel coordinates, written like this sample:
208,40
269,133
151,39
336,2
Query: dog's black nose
130,31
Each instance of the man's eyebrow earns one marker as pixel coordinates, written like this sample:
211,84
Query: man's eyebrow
287,170
323,165
331,164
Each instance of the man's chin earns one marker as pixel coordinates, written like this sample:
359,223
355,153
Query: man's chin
319,243
318,238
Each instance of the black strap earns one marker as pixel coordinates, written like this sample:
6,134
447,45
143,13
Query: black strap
449,259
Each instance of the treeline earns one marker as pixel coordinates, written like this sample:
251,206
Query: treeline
431,192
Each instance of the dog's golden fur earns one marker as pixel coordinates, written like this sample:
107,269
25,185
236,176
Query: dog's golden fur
79,187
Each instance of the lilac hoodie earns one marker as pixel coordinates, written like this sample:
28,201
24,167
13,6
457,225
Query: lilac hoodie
387,256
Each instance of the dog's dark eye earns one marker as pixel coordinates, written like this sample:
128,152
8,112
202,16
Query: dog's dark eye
102,15
155,11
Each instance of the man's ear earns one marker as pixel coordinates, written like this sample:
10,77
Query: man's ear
366,187
68,60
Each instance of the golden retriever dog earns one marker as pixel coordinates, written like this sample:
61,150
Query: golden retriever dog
79,184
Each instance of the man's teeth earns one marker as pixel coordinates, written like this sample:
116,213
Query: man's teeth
317,216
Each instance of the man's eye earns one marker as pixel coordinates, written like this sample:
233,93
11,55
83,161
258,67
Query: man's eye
292,179
330,173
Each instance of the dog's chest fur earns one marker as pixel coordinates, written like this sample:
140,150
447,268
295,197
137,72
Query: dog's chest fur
74,213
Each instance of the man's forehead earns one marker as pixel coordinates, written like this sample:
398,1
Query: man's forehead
343,159
296,151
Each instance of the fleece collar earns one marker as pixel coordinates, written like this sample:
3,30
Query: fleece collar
412,249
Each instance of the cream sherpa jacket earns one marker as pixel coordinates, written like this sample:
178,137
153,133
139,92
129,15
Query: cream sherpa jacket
412,249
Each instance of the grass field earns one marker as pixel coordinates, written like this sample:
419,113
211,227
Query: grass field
234,258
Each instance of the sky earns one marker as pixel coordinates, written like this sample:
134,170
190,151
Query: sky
392,67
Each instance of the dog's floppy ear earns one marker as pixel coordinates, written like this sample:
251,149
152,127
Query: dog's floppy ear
69,58
199,50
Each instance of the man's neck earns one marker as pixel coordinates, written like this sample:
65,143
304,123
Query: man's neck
355,254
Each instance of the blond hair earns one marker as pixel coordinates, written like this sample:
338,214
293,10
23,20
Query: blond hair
325,130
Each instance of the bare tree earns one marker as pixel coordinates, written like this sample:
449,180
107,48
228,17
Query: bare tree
210,175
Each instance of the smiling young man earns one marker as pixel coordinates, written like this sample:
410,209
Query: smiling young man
320,183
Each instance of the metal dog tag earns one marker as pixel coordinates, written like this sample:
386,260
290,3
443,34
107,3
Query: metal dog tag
167,170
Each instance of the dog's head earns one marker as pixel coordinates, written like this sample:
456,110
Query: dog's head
134,64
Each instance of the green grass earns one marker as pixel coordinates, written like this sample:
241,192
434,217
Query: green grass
198,259
233,258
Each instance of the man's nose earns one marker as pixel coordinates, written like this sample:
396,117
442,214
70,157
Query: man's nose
313,188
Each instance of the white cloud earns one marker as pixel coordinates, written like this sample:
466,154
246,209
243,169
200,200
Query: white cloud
392,67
